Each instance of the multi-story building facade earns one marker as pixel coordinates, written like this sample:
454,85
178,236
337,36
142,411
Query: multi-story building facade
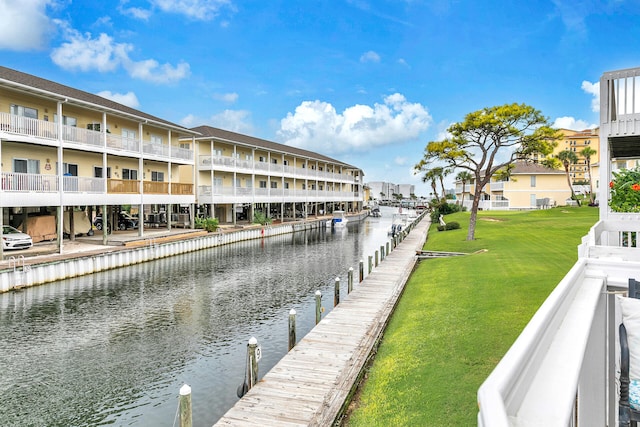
65,150
238,175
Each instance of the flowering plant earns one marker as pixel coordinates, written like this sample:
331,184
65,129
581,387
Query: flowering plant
625,190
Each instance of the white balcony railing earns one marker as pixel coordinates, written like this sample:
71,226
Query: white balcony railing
562,369
29,182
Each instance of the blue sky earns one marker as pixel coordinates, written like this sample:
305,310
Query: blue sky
365,82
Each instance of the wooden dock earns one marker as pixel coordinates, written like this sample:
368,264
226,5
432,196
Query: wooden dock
311,384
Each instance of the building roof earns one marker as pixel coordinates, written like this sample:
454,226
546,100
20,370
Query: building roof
209,132
49,89
529,168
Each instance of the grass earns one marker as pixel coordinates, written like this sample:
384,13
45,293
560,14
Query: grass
458,316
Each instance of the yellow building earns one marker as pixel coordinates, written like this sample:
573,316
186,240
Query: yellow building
530,186
65,150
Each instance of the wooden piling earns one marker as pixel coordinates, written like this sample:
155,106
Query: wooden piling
370,263
292,329
336,292
361,270
185,403
350,280
318,306
377,255
253,362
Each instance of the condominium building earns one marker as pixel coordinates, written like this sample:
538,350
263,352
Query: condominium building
238,175
63,150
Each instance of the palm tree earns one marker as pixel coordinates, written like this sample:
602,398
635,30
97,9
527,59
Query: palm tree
567,158
431,176
464,176
587,152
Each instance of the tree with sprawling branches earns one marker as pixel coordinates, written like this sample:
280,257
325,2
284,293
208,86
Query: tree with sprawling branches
488,140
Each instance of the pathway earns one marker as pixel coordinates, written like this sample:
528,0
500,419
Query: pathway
310,385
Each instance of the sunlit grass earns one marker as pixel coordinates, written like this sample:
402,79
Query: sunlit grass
459,315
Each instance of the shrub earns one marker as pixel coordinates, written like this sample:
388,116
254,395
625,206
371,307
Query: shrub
440,227
625,190
209,224
442,208
452,225
260,218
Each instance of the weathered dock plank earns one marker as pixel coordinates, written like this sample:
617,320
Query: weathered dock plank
310,385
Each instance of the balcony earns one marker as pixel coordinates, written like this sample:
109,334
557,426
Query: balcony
231,164
87,139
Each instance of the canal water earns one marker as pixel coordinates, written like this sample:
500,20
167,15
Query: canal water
114,348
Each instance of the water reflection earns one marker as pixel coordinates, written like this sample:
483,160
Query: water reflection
115,347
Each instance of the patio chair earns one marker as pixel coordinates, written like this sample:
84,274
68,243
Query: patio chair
629,406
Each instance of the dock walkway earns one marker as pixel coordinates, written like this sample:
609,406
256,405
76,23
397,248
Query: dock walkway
310,385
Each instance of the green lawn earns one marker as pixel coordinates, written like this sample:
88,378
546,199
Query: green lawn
458,316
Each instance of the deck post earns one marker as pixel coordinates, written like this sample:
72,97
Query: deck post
318,306
370,263
350,280
388,248
292,329
336,292
185,405
253,362
377,255
361,270
382,253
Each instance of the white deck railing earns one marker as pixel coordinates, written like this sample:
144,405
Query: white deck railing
568,351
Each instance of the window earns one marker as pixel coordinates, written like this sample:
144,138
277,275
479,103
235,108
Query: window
21,111
26,166
274,161
66,120
97,172
185,145
156,139
263,184
130,174
157,176
313,186
304,186
217,153
286,185
262,159
94,126
274,184
285,162
533,180
69,169
128,134
321,187
248,157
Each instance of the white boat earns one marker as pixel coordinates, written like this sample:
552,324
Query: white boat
339,219
398,223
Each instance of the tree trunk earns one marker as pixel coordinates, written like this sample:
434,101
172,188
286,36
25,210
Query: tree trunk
573,195
471,235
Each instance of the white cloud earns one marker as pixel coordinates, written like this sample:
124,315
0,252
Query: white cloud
403,62
400,161
232,120
85,53
134,12
24,24
593,89
370,56
316,125
226,97
572,124
150,70
204,10
129,99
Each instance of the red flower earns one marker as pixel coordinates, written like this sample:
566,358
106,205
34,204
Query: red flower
635,187
611,184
